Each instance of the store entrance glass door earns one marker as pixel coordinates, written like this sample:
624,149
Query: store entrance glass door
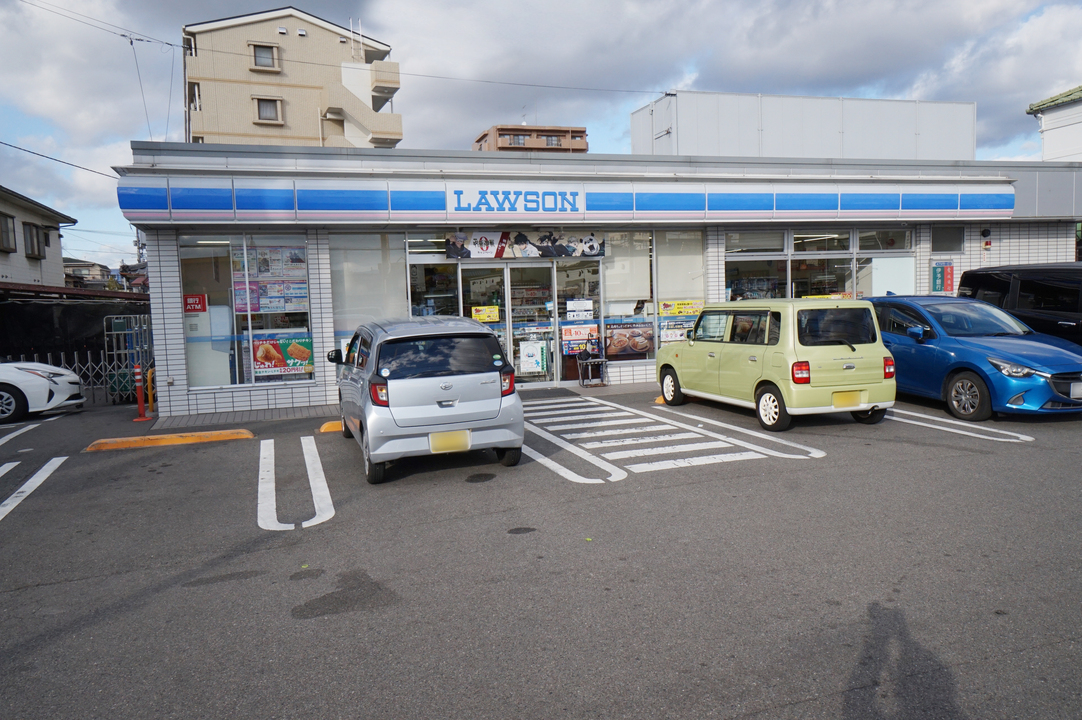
484,298
578,286
532,329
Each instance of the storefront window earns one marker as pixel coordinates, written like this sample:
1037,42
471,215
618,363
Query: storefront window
821,241
578,289
873,240
629,296
423,244
368,278
754,279
880,275
246,309
434,289
756,241
818,277
681,289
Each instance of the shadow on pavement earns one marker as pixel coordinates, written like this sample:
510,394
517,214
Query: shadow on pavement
897,678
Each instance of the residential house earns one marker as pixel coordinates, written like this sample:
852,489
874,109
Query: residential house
30,241
1060,117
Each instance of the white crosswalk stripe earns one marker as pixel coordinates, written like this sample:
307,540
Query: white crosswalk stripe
619,433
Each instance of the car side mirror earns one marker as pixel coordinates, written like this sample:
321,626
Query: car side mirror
917,333
335,356
690,334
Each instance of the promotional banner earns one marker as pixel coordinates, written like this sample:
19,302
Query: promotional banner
504,245
681,307
576,338
281,354
486,313
628,338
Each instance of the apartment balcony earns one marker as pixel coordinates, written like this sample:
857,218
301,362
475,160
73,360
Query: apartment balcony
385,82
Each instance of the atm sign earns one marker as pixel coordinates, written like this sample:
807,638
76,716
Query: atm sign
195,303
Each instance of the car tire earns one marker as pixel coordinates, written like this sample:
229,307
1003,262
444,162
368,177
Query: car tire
374,472
968,397
346,432
509,457
12,404
770,409
869,417
670,388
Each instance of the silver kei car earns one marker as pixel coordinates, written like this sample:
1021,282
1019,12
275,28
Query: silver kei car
424,386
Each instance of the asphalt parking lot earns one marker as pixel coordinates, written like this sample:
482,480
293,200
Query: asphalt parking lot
641,561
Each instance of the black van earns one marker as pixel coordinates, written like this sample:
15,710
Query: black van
1048,298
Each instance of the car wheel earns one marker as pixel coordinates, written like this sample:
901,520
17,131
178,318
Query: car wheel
12,404
346,432
509,457
968,397
770,409
670,388
374,472
869,417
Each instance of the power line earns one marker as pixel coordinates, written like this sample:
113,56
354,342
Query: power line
146,38
63,162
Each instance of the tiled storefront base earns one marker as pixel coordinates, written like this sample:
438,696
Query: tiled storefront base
631,371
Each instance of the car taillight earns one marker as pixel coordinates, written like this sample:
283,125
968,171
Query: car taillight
802,372
507,386
888,368
378,391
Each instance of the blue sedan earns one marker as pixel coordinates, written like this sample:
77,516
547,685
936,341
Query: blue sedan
977,357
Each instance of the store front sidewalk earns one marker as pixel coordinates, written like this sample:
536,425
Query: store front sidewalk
331,411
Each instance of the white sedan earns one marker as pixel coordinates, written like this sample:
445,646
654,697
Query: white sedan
34,387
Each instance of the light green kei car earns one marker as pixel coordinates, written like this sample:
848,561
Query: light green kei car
783,358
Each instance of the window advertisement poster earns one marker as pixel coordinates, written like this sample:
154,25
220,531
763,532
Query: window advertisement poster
505,245
676,317
576,338
246,297
580,309
486,313
238,263
532,357
271,263
282,354
628,338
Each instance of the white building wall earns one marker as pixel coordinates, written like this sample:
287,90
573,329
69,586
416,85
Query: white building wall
744,125
1061,133
16,267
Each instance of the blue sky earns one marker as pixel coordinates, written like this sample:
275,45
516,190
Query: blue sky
71,88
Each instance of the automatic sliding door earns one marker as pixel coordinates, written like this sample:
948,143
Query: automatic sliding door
532,311
484,299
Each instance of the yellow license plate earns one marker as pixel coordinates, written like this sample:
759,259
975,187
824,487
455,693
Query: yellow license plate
847,399
445,442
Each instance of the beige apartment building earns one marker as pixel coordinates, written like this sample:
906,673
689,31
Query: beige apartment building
285,77
532,138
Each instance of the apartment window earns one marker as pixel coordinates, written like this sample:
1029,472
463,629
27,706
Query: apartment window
519,140
195,102
33,241
552,141
948,239
189,45
197,138
265,58
268,111
7,233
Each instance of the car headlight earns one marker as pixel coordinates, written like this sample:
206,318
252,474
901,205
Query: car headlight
1015,370
45,374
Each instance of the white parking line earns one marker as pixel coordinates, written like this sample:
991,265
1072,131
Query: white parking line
614,472
625,431
664,450
18,432
554,401
812,452
693,461
588,416
605,423
551,413
7,466
640,440
29,486
973,430
558,468
266,507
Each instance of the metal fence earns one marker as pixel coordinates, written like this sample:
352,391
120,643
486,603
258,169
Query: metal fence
108,376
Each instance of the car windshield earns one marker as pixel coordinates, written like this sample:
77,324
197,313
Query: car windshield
972,319
836,326
440,355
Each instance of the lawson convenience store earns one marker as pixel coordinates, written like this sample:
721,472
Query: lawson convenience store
261,259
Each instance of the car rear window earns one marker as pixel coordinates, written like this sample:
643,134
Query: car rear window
835,326
440,355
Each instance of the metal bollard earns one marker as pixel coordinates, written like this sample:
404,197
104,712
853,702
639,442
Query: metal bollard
139,390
